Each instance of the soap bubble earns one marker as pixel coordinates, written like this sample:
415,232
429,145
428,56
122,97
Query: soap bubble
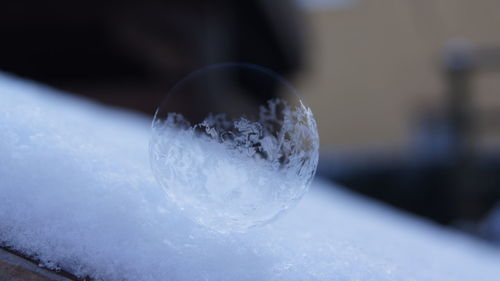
233,146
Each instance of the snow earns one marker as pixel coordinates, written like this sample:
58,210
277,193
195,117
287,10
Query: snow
77,192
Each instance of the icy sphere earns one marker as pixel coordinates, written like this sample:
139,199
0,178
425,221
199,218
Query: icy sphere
233,146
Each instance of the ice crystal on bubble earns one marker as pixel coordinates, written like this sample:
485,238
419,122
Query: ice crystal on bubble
231,175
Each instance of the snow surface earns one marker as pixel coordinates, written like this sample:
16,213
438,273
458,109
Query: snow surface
77,191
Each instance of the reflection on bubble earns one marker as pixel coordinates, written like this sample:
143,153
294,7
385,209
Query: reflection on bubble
227,161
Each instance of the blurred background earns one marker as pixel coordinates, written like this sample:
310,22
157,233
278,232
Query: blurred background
406,93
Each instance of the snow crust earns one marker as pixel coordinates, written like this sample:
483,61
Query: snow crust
77,192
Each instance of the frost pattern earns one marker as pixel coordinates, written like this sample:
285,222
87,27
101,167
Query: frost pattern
230,175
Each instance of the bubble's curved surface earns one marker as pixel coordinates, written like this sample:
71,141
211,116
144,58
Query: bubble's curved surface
233,163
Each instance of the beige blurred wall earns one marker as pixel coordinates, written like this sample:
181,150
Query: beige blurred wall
372,66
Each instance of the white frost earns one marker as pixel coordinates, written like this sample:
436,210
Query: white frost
231,175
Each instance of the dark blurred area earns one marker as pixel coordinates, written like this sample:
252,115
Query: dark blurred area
446,175
129,53
404,110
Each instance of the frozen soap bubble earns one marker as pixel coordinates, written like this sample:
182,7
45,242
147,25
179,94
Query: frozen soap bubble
233,146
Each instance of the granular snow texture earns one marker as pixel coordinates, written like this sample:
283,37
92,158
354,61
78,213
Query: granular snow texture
77,192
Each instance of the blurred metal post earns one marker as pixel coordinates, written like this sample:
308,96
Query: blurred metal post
459,67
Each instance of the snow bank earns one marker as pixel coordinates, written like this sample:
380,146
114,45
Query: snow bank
76,191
